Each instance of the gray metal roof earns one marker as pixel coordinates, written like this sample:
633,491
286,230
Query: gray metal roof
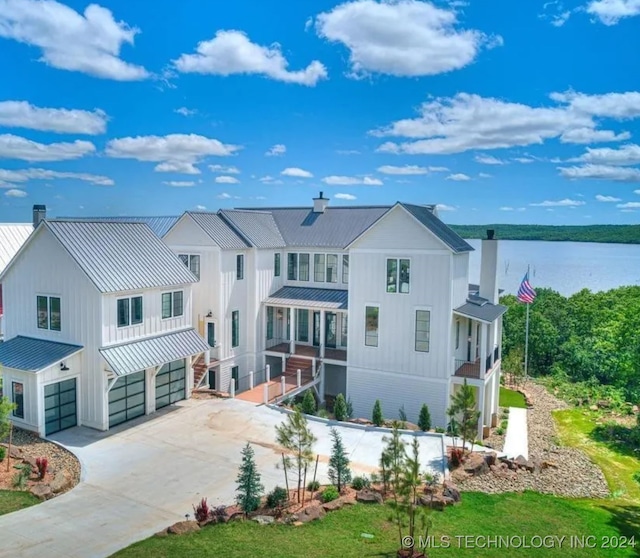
483,311
425,215
159,225
310,298
258,227
12,237
120,256
134,356
218,230
33,355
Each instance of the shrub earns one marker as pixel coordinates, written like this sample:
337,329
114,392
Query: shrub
440,430
323,413
456,456
424,420
499,431
349,408
201,511
636,476
3,452
503,425
309,405
340,408
277,497
377,417
313,486
329,494
43,465
20,479
358,483
402,416
218,514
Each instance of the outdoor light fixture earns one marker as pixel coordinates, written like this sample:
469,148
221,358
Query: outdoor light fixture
63,367
210,314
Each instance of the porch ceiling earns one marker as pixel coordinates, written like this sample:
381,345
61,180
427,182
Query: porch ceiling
308,297
32,355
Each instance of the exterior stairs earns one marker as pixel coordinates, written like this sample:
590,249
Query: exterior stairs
200,370
294,364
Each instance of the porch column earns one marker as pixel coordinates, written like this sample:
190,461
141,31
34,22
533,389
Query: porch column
480,408
321,383
322,332
483,349
292,331
496,389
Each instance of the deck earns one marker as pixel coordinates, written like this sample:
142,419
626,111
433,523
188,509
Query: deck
310,352
256,395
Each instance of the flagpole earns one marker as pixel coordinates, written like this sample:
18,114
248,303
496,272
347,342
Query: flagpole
526,342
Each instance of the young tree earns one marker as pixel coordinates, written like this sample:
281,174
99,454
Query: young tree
392,457
402,415
249,489
340,408
296,437
309,405
5,412
463,413
339,472
424,420
376,417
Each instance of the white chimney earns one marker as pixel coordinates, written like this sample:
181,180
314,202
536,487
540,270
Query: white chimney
489,268
320,204
39,214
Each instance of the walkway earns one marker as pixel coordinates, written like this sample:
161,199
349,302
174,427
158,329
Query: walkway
145,475
516,440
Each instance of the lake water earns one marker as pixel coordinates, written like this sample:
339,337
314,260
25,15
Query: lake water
566,267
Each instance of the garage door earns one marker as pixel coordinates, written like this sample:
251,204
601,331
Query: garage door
170,383
126,399
60,411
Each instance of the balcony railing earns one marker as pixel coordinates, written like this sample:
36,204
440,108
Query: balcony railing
466,369
274,342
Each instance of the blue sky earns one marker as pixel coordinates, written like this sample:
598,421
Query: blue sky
499,111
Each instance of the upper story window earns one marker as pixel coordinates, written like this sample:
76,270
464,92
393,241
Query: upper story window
345,268
303,267
192,261
129,311
292,267
276,265
240,266
318,268
457,334
48,312
172,304
398,275
423,326
235,328
332,268
372,314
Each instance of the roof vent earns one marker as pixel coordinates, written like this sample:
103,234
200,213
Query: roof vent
320,203
39,214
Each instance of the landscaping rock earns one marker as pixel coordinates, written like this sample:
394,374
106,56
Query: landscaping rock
60,482
450,490
162,533
476,465
183,527
333,505
311,514
593,408
521,461
41,491
490,458
369,497
263,519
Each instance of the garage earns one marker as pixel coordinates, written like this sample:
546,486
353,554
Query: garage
60,410
170,383
126,398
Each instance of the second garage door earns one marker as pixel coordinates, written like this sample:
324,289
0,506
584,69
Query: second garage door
126,398
170,383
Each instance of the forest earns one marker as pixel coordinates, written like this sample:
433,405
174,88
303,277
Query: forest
588,337
622,234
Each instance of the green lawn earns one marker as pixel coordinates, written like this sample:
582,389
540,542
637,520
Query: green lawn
12,500
339,534
511,398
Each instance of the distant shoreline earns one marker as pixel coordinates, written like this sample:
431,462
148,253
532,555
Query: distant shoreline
611,234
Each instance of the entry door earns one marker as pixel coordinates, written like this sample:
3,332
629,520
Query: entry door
60,406
211,334
330,329
316,329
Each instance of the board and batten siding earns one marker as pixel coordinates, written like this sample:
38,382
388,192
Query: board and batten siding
460,287
30,384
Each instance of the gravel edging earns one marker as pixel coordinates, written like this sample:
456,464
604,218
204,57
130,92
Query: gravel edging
571,473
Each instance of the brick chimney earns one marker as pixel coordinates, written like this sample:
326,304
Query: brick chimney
320,203
489,268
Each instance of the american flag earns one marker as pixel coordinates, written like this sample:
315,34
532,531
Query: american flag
525,292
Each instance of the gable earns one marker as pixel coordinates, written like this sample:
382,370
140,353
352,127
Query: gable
186,232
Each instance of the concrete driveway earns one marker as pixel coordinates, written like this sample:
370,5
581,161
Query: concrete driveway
145,475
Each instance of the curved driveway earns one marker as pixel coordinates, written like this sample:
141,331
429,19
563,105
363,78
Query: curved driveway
143,476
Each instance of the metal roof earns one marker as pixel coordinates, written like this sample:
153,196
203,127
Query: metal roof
33,355
425,215
120,256
218,230
159,225
485,312
134,356
12,237
310,298
258,227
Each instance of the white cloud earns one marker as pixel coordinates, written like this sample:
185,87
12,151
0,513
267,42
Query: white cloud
15,193
224,196
173,153
276,150
351,181
468,121
601,172
506,208
349,197
459,177
223,169
611,12
348,152
484,175
89,43
488,160
24,175
558,203
16,147
294,171
231,52
438,169
636,192
226,180
270,180
629,205
184,111
406,169
21,114
589,135
201,207
180,183
444,207
524,160
626,155
602,198
402,38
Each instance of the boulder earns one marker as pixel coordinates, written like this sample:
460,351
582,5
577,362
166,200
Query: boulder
521,461
435,501
60,482
593,408
490,458
333,505
311,514
263,519
369,497
604,404
476,465
162,533
548,465
450,490
183,527
41,491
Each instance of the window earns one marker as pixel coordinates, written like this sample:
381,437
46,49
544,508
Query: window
292,267
345,268
302,325
269,322
240,266
332,268
129,311
345,330
235,374
423,317
318,268
172,304
192,262
235,328
457,334
303,260
276,265
371,326
17,395
211,334
48,308
398,276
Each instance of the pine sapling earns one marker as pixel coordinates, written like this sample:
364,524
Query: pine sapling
249,488
339,472
377,417
424,420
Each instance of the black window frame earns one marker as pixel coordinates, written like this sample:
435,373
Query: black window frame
331,275
17,399
235,328
292,266
396,276
370,337
48,316
174,301
123,312
319,268
304,266
192,262
240,266
276,264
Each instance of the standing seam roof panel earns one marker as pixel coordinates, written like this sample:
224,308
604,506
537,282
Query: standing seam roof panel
12,237
213,225
258,227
